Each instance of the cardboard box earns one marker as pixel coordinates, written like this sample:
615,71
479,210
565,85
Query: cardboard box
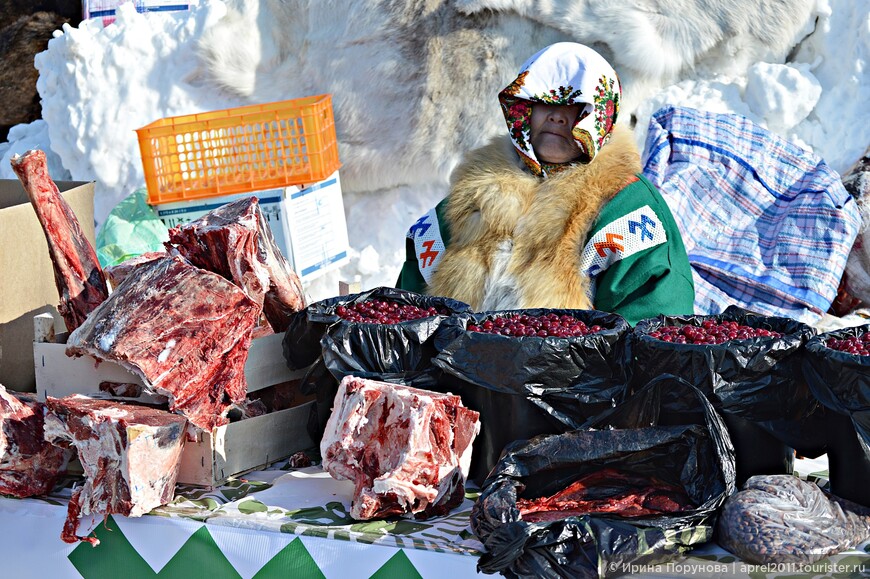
27,283
244,446
214,456
308,223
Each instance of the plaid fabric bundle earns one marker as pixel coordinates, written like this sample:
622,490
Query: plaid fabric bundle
767,225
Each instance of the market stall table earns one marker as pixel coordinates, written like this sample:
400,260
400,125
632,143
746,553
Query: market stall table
284,522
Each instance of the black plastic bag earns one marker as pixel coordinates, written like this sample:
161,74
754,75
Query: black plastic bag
384,351
840,381
367,347
667,430
757,380
323,385
525,386
332,347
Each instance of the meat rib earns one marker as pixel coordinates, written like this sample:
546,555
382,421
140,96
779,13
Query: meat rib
407,450
185,331
29,466
129,453
77,274
236,242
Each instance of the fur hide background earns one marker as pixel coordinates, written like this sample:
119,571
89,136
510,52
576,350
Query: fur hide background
414,82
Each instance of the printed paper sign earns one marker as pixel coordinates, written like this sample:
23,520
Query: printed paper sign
317,227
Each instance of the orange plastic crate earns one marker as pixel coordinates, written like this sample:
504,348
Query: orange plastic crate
239,150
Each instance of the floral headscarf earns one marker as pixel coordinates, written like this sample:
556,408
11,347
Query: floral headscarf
564,73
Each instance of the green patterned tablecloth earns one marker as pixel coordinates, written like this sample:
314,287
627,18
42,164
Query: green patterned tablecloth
284,522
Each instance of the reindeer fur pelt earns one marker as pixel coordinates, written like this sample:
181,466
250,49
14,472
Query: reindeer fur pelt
415,82
516,239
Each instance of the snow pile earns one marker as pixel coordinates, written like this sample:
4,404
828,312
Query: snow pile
139,69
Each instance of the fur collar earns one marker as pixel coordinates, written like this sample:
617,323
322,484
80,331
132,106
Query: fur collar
516,239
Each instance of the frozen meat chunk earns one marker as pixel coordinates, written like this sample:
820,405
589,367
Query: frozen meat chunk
406,450
235,241
183,330
78,276
129,453
29,465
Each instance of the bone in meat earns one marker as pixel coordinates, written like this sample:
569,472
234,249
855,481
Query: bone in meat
183,330
115,274
129,453
407,450
77,274
29,466
235,241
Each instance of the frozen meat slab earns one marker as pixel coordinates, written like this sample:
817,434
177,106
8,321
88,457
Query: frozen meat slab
235,241
129,453
185,331
115,274
29,465
406,450
77,273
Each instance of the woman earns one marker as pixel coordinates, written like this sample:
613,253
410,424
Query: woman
554,214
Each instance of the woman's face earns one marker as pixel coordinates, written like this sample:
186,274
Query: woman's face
550,132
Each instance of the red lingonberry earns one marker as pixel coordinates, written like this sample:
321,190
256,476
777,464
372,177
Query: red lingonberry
857,345
551,324
710,332
375,311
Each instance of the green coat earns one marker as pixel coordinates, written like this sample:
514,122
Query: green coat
645,283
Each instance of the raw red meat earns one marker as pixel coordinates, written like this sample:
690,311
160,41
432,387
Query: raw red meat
29,465
118,273
607,491
407,450
299,460
129,453
77,274
247,409
235,241
133,391
183,330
